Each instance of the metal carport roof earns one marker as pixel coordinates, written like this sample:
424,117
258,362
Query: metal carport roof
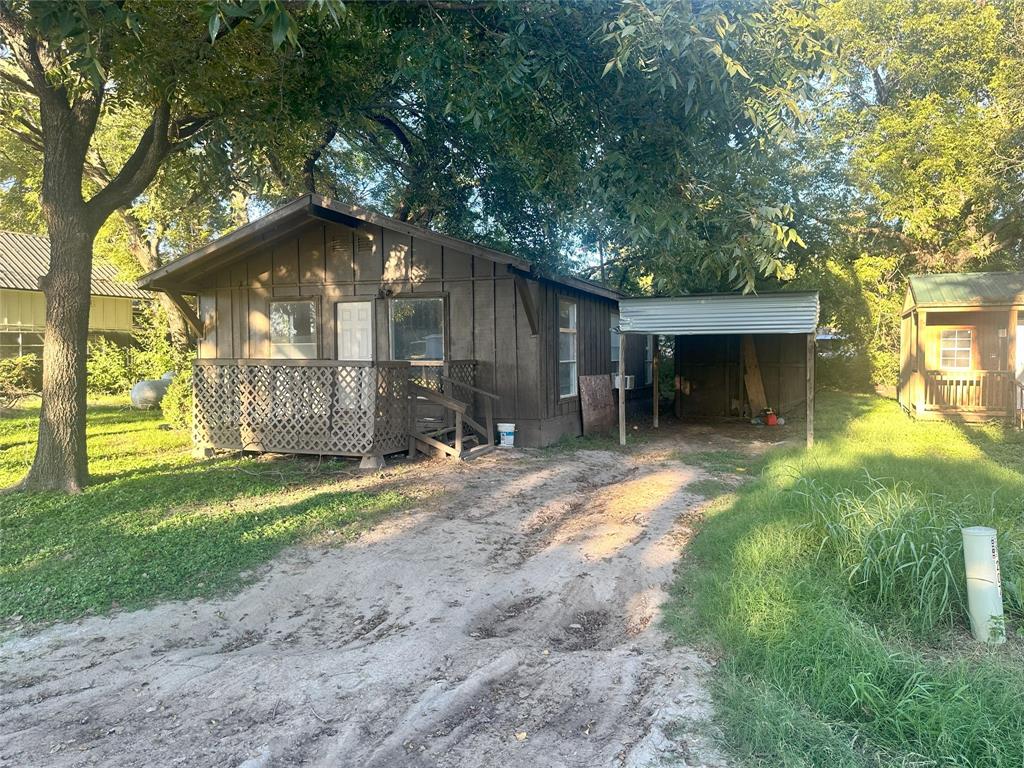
721,313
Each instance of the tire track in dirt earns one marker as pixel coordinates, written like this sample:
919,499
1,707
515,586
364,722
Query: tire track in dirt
511,621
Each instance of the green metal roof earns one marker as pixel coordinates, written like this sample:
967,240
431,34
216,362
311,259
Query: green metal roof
968,288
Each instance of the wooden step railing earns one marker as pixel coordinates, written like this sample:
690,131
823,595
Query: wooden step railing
436,441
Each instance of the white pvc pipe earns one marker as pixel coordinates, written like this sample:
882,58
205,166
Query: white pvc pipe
984,585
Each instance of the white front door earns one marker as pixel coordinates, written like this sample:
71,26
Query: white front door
355,330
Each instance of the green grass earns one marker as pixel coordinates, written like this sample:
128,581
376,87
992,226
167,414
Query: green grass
832,588
608,441
155,523
722,462
709,487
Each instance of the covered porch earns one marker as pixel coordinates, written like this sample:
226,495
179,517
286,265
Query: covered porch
339,407
731,326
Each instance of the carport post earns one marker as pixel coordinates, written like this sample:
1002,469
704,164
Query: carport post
622,388
810,389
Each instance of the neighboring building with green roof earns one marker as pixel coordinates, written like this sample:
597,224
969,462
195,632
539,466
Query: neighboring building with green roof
962,346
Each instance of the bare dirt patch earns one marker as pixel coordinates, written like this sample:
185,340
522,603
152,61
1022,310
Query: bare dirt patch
508,620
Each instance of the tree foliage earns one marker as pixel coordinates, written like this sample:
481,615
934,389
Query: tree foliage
930,109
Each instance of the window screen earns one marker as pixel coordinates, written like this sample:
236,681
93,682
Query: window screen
613,333
566,348
417,329
293,329
649,359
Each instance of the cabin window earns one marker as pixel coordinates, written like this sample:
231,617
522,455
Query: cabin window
649,360
417,329
955,348
566,348
613,332
293,333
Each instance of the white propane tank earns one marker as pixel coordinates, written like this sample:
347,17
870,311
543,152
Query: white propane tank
984,585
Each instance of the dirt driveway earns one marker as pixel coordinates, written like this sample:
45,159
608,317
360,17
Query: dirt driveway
508,620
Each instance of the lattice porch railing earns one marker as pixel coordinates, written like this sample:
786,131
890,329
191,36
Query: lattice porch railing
327,407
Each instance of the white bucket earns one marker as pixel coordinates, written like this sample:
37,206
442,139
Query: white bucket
507,433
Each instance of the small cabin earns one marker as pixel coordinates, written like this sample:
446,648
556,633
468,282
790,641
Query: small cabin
962,346
329,329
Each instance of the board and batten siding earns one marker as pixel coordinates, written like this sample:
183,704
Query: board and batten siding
26,310
487,321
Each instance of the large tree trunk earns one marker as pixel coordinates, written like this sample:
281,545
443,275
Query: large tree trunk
145,251
180,337
61,462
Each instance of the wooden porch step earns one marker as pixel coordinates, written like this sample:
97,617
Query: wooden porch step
477,452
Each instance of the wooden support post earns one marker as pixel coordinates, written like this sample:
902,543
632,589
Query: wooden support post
810,390
529,307
458,435
191,318
921,390
1011,361
655,369
622,388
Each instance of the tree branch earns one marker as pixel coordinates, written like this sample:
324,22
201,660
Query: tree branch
21,84
28,139
309,166
25,50
140,168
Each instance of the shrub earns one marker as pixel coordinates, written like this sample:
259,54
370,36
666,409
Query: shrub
18,378
177,403
108,367
156,354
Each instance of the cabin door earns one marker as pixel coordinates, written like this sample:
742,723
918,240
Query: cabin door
355,330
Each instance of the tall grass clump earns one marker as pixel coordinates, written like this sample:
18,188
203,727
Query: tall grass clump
832,588
901,551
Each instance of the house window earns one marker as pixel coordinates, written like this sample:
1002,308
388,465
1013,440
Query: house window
293,329
955,348
417,329
613,332
649,360
566,348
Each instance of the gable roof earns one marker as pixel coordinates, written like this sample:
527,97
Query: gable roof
24,259
242,241
967,289
721,313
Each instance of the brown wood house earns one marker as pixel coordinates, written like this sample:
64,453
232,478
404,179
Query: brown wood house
329,329
962,346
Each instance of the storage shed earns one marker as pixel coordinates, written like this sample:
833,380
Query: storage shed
962,346
735,355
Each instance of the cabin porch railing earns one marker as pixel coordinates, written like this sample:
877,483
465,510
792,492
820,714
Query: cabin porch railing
327,407
993,391
432,375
